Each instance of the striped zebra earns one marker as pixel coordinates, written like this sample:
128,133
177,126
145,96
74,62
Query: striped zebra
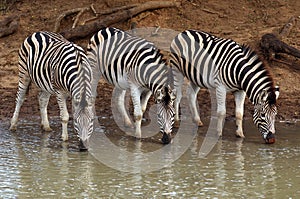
224,66
130,62
57,66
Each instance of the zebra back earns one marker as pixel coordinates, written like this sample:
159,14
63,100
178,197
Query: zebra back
207,61
121,57
53,63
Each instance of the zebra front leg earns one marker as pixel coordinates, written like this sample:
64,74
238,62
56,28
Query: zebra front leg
43,98
138,114
192,92
239,112
24,82
144,101
119,94
221,108
64,115
178,82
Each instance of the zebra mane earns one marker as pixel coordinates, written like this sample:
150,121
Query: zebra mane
83,74
164,56
250,53
166,98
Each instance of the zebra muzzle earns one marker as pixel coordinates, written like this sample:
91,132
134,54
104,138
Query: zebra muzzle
166,138
270,139
83,145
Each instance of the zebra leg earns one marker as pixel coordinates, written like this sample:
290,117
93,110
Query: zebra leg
43,98
96,75
138,114
221,108
24,83
144,101
120,95
178,82
239,112
64,115
192,92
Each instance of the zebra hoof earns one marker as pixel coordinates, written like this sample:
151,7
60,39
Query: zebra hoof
13,128
200,124
47,129
239,134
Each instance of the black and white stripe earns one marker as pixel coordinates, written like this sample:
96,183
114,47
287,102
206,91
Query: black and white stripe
57,66
130,62
225,66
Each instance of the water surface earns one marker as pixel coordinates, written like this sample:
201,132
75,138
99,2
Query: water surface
34,164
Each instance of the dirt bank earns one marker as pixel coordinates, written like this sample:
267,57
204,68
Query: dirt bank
244,21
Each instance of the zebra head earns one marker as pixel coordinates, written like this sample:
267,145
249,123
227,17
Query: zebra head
83,117
83,103
164,98
265,111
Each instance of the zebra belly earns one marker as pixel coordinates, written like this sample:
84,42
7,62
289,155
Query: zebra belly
44,84
120,82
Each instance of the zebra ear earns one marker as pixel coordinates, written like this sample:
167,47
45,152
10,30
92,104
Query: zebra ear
277,92
158,96
263,97
273,95
173,94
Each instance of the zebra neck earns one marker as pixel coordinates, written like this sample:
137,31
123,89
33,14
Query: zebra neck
156,77
255,79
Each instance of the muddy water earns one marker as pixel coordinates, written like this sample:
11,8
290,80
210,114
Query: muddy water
38,165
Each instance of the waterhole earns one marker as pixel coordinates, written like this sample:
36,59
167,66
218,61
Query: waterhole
35,164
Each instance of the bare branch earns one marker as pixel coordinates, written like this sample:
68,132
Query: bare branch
285,31
79,15
122,15
68,13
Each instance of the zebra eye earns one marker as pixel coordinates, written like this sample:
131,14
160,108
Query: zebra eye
263,115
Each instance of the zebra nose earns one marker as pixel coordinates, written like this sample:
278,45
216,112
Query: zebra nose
166,138
83,145
270,139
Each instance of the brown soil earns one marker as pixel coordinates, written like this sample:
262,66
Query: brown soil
244,21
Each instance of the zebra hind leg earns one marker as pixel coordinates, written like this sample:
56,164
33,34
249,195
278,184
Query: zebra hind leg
64,115
138,114
24,83
119,94
192,92
43,98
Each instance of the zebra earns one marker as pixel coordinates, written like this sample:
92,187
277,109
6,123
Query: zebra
57,66
225,66
132,63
